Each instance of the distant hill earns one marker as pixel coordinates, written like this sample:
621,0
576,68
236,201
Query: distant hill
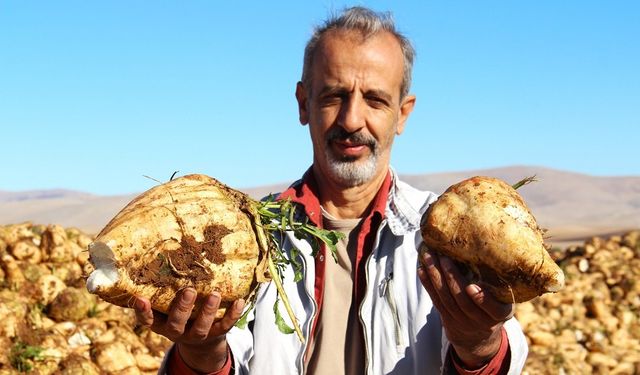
572,206
65,207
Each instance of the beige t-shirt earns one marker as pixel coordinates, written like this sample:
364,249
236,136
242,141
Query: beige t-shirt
338,345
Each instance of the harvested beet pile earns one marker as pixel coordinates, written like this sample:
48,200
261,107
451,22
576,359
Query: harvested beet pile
592,326
49,323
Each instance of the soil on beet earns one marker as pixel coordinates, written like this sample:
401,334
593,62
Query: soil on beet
187,262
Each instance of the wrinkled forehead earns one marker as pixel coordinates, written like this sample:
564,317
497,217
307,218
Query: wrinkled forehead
374,55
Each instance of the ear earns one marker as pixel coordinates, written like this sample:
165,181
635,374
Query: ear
301,97
406,107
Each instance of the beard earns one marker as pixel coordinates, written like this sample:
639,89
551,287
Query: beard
348,170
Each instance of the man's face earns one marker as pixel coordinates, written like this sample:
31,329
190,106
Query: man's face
353,105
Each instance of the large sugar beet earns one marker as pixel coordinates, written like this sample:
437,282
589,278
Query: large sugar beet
190,232
483,223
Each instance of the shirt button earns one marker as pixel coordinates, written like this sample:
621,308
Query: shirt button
321,258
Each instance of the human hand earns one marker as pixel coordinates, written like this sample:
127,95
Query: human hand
472,317
201,341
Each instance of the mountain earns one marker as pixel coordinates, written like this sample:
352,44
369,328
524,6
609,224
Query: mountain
572,206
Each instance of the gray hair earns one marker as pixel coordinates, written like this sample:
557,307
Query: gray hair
368,23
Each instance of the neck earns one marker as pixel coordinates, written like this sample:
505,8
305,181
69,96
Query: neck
348,202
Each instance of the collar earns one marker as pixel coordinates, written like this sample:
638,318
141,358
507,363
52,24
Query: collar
403,216
305,193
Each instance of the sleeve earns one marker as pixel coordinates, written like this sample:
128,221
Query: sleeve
240,349
177,366
498,365
517,351
239,353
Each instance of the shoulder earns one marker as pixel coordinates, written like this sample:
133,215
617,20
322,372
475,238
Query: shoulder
405,206
416,198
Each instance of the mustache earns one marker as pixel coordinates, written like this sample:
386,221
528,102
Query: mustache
339,134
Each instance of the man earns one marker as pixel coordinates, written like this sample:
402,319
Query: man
371,312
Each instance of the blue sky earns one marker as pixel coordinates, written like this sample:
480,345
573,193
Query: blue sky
96,94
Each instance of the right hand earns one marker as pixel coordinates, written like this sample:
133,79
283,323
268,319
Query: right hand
201,341
472,318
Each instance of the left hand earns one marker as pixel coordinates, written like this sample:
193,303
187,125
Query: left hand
201,342
472,317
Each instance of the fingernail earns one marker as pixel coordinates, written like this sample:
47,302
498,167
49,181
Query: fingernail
474,289
188,296
427,259
240,304
139,304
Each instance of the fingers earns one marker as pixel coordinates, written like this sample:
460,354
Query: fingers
456,284
180,313
495,309
204,327
178,327
458,302
203,322
432,280
147,317
469,316
144,314
451,294
231,316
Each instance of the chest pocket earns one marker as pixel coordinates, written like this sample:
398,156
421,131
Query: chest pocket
386,291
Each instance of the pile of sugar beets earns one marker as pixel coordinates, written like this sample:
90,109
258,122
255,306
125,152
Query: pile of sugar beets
592,326
50,323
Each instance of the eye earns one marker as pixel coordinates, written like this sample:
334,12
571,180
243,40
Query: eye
376,101
332,99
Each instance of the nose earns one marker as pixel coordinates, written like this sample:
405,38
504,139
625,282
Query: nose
352,117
